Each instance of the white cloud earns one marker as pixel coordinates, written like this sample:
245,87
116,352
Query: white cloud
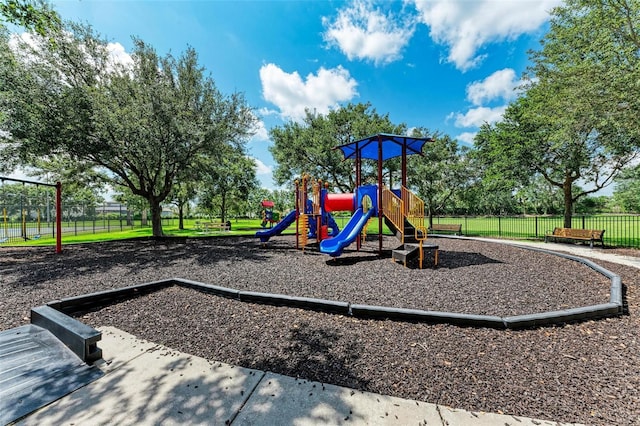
467,137
118,55
361,31
261,168
466,26
291,94
261,133
499,85
476,117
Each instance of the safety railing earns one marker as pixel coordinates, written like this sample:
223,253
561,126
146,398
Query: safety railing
413,207
393,208
316,186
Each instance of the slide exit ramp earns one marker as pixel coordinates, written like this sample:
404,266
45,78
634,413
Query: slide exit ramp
334,246
265,234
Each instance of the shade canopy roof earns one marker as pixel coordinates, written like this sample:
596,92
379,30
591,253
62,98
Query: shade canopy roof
391,146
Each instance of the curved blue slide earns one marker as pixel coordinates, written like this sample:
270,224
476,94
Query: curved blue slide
334,246
265,234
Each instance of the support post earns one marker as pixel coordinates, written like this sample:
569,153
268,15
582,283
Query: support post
58,217
380,206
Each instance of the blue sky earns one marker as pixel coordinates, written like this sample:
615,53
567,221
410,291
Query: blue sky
448,65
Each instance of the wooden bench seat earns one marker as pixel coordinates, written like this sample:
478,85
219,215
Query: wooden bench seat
456,228
570,234
216,226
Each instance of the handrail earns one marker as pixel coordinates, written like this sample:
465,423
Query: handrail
413,207
393,208
316,186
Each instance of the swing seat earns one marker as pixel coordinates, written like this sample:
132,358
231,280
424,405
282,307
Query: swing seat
36,237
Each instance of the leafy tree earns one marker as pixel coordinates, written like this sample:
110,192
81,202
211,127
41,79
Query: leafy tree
227,181
184,190
284,199
308,147
578,119
253,208
539,197
592,205
144,124
541,135
627,191
440,174
134,203
33,15
592,51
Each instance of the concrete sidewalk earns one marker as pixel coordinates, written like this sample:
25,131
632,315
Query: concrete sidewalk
579,250
148,384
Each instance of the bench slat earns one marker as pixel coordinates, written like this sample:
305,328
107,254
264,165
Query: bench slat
590,235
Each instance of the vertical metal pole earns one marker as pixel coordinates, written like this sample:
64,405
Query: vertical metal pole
404,163
297,214
380,207
58,217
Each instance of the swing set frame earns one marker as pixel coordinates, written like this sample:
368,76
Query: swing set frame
58,187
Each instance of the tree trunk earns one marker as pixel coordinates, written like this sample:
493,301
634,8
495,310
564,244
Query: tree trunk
181,217
568,202
223,207
156,218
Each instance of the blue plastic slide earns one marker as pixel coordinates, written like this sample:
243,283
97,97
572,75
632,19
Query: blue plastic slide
265,234
334,246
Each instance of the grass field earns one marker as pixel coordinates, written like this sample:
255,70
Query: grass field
620,230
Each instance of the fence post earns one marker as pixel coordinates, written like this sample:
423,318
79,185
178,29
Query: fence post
499,227
58,217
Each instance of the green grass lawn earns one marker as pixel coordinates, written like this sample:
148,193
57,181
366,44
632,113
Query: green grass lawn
621,230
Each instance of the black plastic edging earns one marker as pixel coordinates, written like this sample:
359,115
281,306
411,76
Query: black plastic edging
229,293
77,336
295,302
101,298
403,314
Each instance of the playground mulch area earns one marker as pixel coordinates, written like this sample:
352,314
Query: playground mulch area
585,372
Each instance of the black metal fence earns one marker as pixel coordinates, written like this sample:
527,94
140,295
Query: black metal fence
33,221
620,230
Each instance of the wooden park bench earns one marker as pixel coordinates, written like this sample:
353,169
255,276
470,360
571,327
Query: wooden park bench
216,226
571,234
456,228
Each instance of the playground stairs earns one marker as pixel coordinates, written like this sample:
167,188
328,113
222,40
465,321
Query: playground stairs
410,249
405,253
408,230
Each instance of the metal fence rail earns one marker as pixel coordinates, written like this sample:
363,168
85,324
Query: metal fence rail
620,230
38,221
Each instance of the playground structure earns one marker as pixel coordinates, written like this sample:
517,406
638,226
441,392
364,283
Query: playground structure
400,209
269,217
28,213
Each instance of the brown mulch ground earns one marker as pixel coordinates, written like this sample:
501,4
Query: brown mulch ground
586,372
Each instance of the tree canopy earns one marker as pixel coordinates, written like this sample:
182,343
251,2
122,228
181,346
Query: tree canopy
143,123
308,147
575,121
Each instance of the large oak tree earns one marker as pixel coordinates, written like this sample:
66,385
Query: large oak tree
144,123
